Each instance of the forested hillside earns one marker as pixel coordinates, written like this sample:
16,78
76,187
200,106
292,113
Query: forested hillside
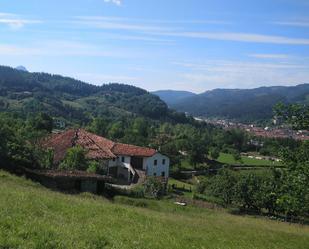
74,100
242,104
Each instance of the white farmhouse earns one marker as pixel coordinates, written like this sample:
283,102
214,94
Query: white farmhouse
125,162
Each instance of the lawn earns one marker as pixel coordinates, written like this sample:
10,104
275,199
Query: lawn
34,217
228,159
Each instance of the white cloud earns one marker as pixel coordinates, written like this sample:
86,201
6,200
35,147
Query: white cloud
241,37
114,23
64,48
117,2
156,27
304,24
15,21
12,50
269,56
242,74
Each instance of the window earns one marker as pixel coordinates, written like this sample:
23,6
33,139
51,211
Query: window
122,159
154,174
114,159
163,173
163,161
155,162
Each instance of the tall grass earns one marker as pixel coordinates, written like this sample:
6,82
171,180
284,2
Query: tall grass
34,217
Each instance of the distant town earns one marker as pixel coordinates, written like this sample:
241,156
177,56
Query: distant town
275,131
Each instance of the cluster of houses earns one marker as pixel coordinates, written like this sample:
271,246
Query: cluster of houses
125,163
268,132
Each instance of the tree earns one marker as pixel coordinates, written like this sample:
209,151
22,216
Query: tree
116,131
43,122
236,155
295,189
296,115
248,191
197,150
223,185
43,158
294,198
74,159
99,126
214,153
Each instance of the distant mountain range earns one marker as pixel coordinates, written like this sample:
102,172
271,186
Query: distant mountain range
239,104
26,93
172,97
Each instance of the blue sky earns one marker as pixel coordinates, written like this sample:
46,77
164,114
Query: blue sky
193,45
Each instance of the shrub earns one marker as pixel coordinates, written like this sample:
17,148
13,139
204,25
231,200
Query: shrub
74,159
154,188
214,153
93,167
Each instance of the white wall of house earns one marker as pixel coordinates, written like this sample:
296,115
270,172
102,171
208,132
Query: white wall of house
123,164
157,165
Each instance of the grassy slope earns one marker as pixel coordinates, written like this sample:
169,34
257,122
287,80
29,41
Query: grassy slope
34,217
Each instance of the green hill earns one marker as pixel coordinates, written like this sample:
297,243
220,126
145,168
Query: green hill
34,217
242,104
74,100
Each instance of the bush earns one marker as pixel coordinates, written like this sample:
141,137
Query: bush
93,167
214,153
74,159
154,188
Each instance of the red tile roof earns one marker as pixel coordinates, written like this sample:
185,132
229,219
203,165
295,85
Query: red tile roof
132,150
97,147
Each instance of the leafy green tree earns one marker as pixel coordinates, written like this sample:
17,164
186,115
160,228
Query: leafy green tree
43,158
296,115
295,190
214,153
223,185
116,131
99,126
248,191
42,121
236,156
197,150
75,159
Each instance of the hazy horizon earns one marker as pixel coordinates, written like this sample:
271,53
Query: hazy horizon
192,46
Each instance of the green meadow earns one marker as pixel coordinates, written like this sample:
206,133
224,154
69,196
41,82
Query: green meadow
229,159
32,216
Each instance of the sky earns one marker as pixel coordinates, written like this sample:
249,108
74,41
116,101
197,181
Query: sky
193,45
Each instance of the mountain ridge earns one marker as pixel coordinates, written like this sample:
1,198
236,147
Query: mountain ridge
68,98
242,104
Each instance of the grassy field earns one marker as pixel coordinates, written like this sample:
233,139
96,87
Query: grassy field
228,159
34,217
